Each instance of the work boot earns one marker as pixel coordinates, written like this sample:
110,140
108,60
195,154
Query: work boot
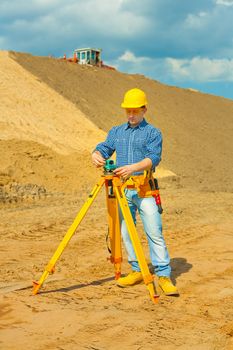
167,286
131,279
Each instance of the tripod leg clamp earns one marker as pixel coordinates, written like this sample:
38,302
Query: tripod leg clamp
115,260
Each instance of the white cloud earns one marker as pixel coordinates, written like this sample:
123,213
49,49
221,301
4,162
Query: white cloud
150,28
224,2
14,8
151,67
196,69
106,20
54,27
160,39
196,20
201,69
128,56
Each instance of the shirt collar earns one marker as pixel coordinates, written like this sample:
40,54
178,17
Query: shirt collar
140,126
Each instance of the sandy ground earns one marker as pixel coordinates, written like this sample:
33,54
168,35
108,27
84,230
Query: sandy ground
45,177
80,307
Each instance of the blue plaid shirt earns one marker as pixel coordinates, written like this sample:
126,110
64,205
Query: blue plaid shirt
133,144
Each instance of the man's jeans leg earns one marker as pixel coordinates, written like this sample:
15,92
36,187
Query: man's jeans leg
151,220
132,259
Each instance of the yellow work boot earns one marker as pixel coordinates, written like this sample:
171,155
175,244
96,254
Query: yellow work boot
167,286
131,279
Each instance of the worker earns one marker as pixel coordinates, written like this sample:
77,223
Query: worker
138,147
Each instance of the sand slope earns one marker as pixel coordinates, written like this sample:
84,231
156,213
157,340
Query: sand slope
30,110
44,136
50,117
197,128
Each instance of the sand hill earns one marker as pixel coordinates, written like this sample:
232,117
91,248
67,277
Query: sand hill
52,113
197,128
44,136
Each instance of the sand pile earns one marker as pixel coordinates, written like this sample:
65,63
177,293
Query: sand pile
51,113
32,111
197,128
44,137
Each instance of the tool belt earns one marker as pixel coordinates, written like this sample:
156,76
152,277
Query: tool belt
146,186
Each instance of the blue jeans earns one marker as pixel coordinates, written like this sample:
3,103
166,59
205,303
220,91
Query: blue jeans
152,223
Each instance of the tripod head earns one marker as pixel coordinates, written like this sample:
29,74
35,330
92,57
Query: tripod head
109,167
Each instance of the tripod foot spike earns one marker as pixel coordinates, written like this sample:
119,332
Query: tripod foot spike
36,287
155,299
117,275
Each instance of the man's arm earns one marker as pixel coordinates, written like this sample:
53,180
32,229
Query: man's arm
154,147
128,170
104,150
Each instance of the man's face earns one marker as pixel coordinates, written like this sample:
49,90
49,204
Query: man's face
135,115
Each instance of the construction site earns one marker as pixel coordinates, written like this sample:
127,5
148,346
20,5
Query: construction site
52,115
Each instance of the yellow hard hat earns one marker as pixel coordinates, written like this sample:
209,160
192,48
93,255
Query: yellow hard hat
134,98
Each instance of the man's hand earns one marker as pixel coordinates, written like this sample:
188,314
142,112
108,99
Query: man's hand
125,171
98,159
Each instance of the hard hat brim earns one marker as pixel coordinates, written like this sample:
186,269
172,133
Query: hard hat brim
125,105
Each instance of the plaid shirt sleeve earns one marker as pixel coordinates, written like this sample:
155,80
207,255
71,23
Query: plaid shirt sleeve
154,147
107,147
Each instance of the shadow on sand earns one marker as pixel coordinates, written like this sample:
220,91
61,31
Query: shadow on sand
179,266
78,286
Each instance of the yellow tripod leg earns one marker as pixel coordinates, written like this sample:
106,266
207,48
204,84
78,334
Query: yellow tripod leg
114,228
50,267
147,277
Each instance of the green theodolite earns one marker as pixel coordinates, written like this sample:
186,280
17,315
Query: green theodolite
109,166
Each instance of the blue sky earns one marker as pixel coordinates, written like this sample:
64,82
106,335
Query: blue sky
186,43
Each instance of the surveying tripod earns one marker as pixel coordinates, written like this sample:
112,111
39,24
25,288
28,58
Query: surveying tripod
115,198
